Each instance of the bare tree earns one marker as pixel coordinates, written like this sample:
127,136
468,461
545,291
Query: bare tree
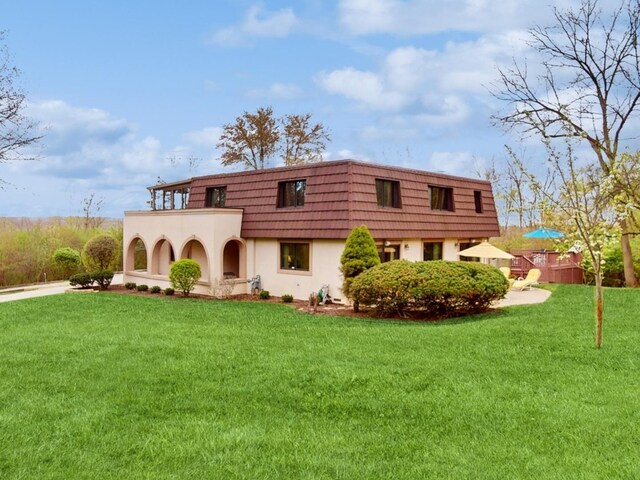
589,87
302,141
16,130
91,212
251,140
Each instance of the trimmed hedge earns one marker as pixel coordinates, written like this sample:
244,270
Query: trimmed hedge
434,289
184,275
103,278
82,280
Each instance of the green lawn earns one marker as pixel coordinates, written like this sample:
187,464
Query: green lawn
124,387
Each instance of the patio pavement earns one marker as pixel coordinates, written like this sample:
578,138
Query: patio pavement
524,297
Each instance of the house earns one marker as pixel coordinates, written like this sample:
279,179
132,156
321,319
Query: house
289,225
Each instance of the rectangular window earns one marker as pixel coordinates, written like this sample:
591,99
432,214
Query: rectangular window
432,251
388,252
294,256
291,194
388,193
215,197
477,198
441,198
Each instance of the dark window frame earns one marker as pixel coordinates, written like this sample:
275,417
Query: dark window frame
388,193
218,193
477,200
294,259
441,198
292,193
424,250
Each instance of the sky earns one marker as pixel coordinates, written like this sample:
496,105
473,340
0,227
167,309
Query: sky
126,92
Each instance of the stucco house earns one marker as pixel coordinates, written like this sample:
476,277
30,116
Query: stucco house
289,225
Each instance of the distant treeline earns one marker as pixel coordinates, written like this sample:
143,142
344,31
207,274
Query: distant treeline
27,245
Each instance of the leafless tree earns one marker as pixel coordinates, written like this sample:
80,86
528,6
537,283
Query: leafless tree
91,212
16,131
303,142
252,140
588,88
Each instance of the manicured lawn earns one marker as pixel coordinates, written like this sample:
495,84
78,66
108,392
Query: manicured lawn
124,387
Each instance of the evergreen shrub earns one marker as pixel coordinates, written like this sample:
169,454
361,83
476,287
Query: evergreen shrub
184,275
434,289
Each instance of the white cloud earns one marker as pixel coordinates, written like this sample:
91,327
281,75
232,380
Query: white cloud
454,163
207,137
423,17
257,23
277,91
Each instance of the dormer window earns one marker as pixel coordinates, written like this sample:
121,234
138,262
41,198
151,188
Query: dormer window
388,193
215,197
291,194
477,198
441,198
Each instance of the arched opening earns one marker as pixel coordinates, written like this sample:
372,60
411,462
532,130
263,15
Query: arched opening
232,260
195,251
136,258
162,258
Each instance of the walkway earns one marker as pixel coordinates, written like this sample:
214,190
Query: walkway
42,290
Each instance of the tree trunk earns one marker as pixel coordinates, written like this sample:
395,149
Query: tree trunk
599,308
627,257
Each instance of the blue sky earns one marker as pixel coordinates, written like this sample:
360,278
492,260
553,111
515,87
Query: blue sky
128,91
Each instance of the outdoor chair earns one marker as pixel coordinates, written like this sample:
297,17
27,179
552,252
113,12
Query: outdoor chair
506,271
532,279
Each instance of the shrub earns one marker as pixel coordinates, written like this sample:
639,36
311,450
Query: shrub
130,285
264,295
99,252
103,278
83,280
613,268
434,288
142,288
67,259
155,289
184,275
359,254
169,291
287,298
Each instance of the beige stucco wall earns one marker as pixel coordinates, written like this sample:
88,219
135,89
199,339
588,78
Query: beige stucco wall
211,227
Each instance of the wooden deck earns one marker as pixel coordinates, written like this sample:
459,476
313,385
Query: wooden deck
555,267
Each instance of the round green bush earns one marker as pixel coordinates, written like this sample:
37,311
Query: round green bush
99,252
169,291
67,259
82,280
103,278
434,289
287,298
142,288
155,289
184,275
130,285
264,295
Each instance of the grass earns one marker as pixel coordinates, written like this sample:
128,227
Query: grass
117,386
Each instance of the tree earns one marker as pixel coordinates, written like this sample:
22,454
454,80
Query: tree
100,252
359,254
256,138
91,212
184,275
588,88
583,203
68,260
302,141
251,140
16,131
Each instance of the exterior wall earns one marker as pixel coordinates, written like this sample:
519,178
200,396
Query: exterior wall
200,234
324,268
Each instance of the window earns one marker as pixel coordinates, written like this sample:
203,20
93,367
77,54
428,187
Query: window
291,194
441,198
464,246
477,198
388,193
215,197
432,251
294,256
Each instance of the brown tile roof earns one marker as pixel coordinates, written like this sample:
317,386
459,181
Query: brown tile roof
342,194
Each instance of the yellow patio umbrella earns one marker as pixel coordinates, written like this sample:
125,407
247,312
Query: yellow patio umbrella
485,250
